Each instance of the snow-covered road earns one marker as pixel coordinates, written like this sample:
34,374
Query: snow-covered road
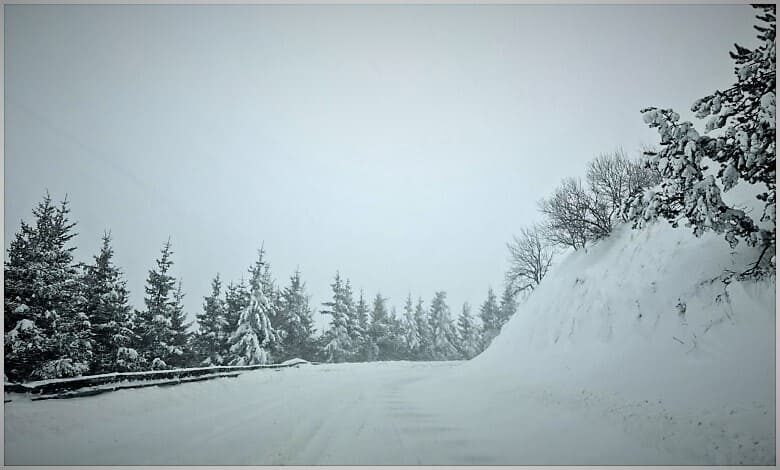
380,413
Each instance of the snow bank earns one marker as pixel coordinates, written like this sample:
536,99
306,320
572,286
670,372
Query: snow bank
642,317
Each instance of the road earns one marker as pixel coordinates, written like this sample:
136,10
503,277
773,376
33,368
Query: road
379,413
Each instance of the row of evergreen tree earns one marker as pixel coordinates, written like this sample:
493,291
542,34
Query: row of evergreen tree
64,318
362,332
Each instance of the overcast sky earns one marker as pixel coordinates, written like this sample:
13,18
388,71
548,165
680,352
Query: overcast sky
401,145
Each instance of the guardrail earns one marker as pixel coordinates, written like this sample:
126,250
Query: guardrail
72,387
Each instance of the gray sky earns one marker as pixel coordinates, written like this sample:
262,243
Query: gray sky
401,145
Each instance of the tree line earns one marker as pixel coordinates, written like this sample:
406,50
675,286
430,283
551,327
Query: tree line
64,318
682,181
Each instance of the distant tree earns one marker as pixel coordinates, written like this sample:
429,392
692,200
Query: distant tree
47,334
337,343
154,327
442,328
252,340
530,257
237,298
421,317
491,319
365,347
741,144
468,336
355,331
211,337
507,306
411,329
398,349
260,274
380,331
297,320
181,353
269,304
106,305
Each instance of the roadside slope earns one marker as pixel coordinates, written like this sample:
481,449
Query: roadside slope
642,323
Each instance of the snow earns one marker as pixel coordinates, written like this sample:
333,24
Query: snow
21,308
392,413
642,323
292,362
601,365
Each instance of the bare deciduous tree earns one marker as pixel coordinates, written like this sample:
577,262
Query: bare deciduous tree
575,215
530,257
614,179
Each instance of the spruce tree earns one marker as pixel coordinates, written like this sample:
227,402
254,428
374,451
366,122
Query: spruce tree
236,299
354,330
741,123
260,277
361,312
380,331
411,330
442,330
337,344
398,349
297,320
425,350
507,306
181,353
490,316
468,338
155,327
106,306
252,341
47,334
211,338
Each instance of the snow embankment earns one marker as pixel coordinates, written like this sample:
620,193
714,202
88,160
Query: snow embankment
643,323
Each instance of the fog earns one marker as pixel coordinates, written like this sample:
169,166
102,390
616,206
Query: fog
400,145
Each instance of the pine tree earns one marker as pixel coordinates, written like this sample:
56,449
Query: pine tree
181,353
354,330
468,339
411,330
252,340
260,272
361,312
260,275
379,331
398,348
297,320
47,333
106,306
742,128
421,317
490,316
211,338
155,327
236,300
337,344
442,331
507,306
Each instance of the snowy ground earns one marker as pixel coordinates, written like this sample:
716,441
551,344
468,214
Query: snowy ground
383,413
632,352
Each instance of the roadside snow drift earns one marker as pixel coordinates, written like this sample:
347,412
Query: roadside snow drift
642,323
